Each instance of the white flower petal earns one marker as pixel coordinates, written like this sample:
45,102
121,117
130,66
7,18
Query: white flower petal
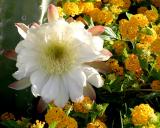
52,13
89,91
38,80
21,84
22,29
98,43
54,90
58,79
63,96
93,77
51,89
75,81
87,53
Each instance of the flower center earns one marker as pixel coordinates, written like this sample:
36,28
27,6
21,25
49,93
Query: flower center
57,58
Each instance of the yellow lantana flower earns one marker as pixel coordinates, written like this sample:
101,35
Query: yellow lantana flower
96,124
155,84
71,8
38,124
142,114
83,106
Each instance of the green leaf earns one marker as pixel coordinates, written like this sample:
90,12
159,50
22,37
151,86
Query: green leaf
129,15
53,124
147,31
89,21
109,32
10,124
154,9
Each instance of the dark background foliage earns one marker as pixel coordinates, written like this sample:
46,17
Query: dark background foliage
11,12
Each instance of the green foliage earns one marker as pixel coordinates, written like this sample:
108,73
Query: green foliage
53,125
10,124
24,123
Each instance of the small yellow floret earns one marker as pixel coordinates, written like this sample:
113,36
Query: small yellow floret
71,8
67,122
157,65
38,124
86,7
132,64
155,84
54,114
60,11
141,115
119,46
58,115
142,10
83,106
118,3
96,124
105,16
155,46
94,14
151,15
139,20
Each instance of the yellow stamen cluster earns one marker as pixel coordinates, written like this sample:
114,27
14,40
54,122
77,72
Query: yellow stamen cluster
58,115
155,84
142,114
38,124
132,64
83,106
57,58
157,65
7,116
96,124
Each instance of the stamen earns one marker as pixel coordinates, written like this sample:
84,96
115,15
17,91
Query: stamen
58,57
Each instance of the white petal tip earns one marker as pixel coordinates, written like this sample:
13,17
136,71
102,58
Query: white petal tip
21,84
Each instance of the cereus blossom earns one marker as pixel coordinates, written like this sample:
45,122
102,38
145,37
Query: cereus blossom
52,58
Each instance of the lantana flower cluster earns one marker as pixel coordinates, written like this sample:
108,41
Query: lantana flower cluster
113,45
